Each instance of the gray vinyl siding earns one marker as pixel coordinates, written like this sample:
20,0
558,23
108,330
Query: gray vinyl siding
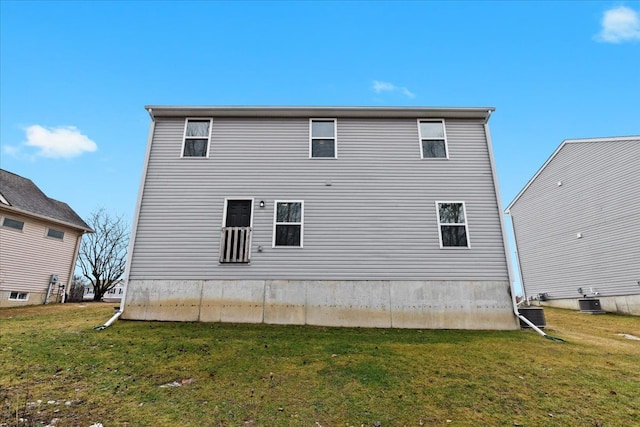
376,221
600,198
29,257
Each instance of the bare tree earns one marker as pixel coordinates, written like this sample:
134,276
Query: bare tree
103,254
76,291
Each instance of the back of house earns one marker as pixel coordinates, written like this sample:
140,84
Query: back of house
339,216
577,225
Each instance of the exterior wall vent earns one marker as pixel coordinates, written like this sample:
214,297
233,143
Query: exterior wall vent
533,314
590,305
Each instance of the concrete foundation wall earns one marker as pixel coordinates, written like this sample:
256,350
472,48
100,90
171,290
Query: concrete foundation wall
379,303
622,304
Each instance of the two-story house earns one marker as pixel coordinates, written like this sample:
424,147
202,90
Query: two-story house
340,216
577,225
39,242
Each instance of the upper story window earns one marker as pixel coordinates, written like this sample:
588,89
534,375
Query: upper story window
12,223
452,224
322,138
197,136
433,139
287,224
56,234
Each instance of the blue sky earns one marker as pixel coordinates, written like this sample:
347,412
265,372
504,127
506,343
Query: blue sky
74,76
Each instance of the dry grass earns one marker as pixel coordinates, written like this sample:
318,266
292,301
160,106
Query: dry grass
262,375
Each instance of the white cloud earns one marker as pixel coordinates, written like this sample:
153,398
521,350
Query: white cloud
57,142
379,87
619,24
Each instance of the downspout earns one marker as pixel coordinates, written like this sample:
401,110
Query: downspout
110,321
505,241
73,265
134,227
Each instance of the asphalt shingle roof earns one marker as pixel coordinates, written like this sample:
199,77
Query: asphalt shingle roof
23,194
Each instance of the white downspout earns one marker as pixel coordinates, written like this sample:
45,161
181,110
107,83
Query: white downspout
506,241
73,265
110,321
134,227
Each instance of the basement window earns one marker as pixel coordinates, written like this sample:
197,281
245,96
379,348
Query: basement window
18,296
197,137
13,223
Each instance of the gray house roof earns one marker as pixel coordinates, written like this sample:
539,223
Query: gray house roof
22,195
555,153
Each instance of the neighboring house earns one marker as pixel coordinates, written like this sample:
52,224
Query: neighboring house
577,225
375,217
112,295
39,241
88,292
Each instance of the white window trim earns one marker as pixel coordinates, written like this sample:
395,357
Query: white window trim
184,137
275,223
444,132
19,299
335,137
466,224
6,227
46,234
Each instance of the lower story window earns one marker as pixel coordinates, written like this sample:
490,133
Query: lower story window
452,224
288,223
19,296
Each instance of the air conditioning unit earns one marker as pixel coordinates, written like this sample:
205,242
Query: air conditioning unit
533,314
590,305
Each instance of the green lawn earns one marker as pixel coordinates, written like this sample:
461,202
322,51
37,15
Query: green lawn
54,365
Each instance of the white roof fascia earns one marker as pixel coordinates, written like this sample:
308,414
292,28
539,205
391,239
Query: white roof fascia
306,111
